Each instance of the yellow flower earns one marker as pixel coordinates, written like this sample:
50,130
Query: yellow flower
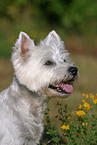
68,117
83,100
86,124
92,96
65,127
65,133
83,95
83,124
87,96
80,113
86,105
80,106
95,101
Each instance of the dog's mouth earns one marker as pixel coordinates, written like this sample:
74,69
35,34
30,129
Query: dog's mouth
63,87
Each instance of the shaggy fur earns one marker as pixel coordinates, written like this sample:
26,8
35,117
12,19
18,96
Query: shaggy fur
41,72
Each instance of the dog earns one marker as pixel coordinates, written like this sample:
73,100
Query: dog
41,72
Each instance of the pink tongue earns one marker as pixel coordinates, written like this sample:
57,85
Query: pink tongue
68,88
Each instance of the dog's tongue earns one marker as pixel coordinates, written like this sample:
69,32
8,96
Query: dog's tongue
68,88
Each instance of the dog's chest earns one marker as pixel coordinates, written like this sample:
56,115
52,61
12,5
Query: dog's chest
31,116
28,125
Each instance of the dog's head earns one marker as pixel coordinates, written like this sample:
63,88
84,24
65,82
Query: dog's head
44,68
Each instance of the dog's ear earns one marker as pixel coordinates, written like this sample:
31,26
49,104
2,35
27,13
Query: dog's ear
24,43
53,36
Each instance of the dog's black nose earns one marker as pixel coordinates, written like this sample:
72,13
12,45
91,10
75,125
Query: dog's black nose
73,71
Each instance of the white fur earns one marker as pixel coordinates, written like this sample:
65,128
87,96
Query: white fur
22,105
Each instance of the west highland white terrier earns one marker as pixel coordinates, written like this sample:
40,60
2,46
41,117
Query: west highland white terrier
41,72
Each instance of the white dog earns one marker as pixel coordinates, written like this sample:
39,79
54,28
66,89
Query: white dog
40,72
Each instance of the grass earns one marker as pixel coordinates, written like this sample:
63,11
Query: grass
5,50
6,73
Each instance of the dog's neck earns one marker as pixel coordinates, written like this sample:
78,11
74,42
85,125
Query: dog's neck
28,103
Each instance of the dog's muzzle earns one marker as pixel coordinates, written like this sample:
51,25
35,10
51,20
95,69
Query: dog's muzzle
65,86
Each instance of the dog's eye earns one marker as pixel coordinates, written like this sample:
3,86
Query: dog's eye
49,63
64,60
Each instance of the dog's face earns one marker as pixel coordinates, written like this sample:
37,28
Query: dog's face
44,68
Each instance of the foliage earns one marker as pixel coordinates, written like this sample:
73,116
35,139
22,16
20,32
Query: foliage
75,15
80,126
51,135
72,19
54,134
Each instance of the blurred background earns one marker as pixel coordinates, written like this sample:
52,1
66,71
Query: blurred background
75,21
